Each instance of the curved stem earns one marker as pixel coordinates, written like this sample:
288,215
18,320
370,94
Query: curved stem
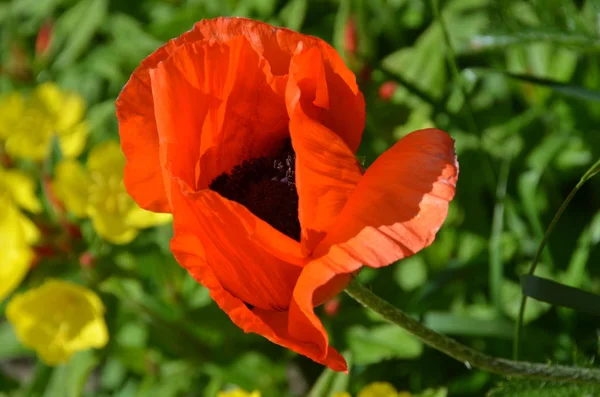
460,352
519,324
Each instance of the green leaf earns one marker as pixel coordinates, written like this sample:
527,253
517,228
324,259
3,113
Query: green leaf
489,42
562,88
441,392
113,374
294,13
558,294
422,63
69,379
546,150
253,371
383,342
54,157
529,192
470,245
131,52
411,273
38,9
511,301
76,28
576,274
521,388
10,347
39,382
339,28
453,324
330,381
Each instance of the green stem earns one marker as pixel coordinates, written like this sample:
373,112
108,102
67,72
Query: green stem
593,170
460,352
40,380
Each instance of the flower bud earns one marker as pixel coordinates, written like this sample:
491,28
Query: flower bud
387,90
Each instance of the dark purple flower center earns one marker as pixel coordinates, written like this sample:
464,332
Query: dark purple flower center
267,187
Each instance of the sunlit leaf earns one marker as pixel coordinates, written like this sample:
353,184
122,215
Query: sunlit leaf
382,342
77,27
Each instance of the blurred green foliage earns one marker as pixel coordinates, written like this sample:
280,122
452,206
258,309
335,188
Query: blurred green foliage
524,108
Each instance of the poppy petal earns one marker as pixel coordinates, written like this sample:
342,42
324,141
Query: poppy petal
135,105
401,201
192,255
327,171
395,211
345,113
215,109
137,129
279,323
233,239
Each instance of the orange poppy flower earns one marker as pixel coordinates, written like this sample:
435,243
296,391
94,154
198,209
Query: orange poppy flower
247,133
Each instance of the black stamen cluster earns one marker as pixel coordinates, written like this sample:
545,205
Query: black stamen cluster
267,187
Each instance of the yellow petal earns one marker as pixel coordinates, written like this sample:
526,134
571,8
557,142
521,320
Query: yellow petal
31,234
48,96
30,138
15,253
21,189
111,226
66,108
11,110
140,218
341,394
72,140
58,319
48,111
107,159
378,389
71,186
71,112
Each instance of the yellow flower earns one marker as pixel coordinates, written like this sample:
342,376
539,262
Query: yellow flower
17,231
378,389
238,393
19,189
12,107
15,252
341,394
29,124
58,319
97,192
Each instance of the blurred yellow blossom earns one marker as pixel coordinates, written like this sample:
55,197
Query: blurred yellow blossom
378,389
238,393
12,107
97,191
19,189
17,231
15,252
58,319
28,123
